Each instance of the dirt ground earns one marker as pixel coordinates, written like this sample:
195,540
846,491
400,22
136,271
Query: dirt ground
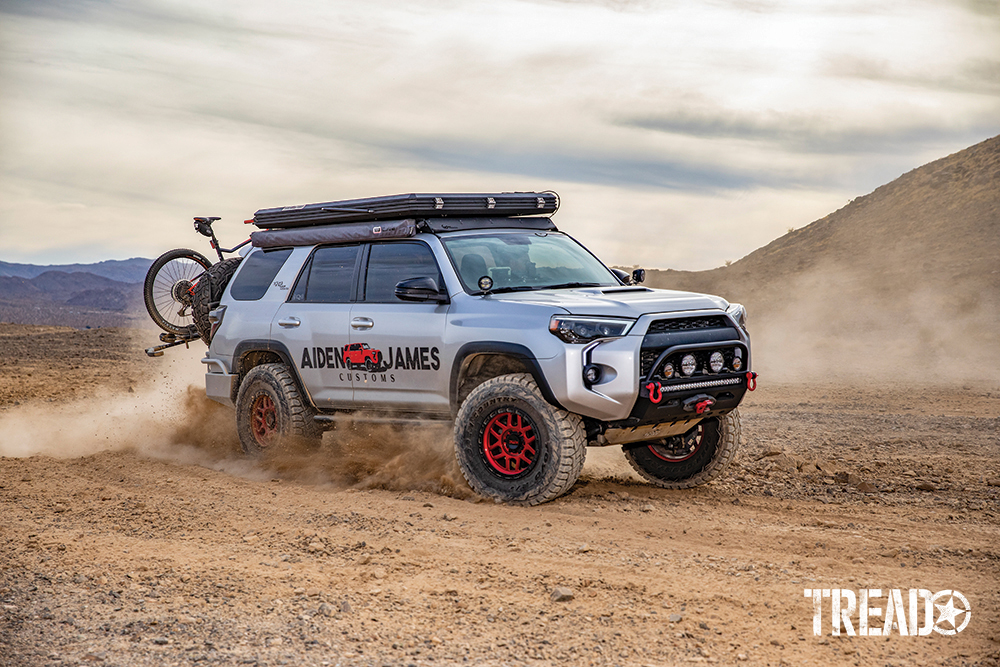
133,533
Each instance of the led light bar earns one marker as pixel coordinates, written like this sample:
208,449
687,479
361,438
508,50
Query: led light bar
700,385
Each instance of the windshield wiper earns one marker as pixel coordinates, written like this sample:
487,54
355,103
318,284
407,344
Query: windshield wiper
529,288
518,288
570,285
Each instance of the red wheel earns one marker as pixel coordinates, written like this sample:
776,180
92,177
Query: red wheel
263,420
509,442
681,462
516,447
270,411
679,448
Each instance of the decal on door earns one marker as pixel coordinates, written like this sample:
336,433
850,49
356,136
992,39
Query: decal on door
375,364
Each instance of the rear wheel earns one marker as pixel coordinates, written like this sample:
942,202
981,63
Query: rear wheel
270,411
208,291
695,458
167,289
514,446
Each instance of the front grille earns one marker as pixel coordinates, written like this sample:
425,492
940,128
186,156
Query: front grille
646,360
689,324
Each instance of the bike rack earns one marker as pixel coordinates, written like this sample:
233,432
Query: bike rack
172,340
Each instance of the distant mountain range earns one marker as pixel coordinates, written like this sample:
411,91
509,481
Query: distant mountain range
120,270
77,295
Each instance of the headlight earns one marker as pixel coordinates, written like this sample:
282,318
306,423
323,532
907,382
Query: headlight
738,313
585,329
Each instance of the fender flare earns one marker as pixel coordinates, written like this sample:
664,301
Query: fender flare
245,347
514,350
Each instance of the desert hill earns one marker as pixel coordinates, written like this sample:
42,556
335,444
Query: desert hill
903,280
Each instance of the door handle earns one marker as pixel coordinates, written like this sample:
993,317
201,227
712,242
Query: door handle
361,323
289,322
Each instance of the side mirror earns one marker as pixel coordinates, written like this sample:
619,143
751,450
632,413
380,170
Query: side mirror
638,276
420,289
622,275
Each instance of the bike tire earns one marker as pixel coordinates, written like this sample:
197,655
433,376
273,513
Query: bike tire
165,290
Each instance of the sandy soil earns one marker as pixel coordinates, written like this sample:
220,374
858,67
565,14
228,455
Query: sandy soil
133,533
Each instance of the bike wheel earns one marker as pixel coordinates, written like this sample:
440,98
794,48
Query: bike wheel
167,290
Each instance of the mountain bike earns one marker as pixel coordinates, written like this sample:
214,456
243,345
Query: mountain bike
182,287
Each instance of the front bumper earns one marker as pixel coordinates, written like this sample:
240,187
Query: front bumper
675,400
629,363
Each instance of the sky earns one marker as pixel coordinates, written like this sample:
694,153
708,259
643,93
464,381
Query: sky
679,134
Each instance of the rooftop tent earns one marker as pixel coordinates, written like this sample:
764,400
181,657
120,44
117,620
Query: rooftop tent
397,207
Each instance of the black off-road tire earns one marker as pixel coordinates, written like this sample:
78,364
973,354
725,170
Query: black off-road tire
168,277
500,421
270,411
208,292
719,441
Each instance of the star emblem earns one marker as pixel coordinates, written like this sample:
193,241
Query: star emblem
949,612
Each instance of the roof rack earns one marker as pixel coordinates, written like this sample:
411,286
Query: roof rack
355,232
396,207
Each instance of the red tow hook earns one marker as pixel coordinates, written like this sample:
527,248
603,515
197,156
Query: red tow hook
655,395
751,381
701,407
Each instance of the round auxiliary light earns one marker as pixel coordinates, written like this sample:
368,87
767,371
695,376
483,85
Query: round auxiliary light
668,371
688,364
716,362
737,363
485,283
591,374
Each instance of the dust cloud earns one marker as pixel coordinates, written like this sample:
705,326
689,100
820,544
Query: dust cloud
834,323
172,420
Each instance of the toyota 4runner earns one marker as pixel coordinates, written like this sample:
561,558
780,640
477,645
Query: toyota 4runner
474,309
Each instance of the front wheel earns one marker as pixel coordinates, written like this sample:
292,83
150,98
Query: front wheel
270,411
514,446
167,290
695,458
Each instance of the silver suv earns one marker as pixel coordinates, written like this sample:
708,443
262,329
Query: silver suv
475,309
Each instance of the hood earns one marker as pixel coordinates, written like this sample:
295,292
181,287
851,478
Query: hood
617,301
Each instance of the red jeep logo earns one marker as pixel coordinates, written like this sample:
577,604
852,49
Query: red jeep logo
359,355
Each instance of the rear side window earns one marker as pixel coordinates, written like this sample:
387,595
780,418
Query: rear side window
390,263
257,272
328,276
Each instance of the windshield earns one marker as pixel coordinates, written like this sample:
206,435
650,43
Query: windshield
517,261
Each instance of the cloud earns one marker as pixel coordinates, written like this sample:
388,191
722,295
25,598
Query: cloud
121,119
979,75
814,132
558,163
